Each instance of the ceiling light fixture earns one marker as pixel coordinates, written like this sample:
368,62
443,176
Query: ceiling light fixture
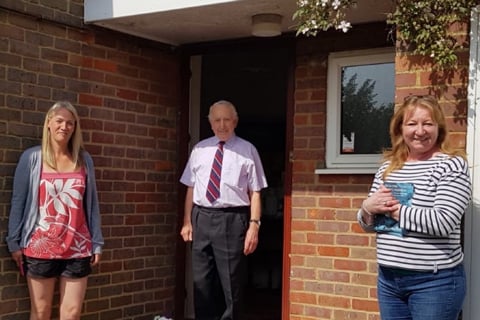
267,25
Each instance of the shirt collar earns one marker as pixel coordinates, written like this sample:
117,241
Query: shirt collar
227,142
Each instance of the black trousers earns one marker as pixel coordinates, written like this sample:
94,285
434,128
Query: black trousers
219,264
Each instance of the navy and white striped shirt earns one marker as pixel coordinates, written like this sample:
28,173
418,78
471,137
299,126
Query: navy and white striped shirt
432,224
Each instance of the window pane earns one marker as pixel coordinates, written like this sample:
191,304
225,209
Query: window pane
367,102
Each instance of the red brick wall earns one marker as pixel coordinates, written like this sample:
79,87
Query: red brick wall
333,268
127,94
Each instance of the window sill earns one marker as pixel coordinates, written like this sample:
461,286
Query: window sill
346,171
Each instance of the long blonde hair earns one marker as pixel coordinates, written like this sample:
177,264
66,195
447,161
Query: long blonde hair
75,145
399,152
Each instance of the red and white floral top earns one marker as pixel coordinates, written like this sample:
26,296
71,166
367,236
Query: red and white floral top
61,230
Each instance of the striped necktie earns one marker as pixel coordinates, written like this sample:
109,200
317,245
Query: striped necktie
213,188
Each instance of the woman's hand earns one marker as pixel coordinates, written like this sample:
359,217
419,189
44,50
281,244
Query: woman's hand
95,259
381,201
17,256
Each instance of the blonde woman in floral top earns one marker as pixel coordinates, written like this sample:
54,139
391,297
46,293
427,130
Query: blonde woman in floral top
54,225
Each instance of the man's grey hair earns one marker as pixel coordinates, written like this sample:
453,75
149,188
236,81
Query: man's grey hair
224,103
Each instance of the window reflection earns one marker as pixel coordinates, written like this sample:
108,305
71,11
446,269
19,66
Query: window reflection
367,104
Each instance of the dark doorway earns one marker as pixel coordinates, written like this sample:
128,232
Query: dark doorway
255,81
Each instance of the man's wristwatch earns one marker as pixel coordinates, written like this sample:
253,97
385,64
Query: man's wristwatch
258,222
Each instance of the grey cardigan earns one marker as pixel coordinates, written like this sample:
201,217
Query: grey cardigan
24,204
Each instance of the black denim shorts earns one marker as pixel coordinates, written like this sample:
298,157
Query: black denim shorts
52,268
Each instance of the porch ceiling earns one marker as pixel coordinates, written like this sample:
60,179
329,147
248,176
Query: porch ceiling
177,22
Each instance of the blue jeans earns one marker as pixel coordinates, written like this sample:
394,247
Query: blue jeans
410,295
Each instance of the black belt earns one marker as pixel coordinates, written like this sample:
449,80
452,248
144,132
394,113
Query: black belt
239,209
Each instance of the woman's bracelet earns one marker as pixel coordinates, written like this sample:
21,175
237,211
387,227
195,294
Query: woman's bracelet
365,210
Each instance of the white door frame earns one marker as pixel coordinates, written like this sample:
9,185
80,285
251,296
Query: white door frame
471,310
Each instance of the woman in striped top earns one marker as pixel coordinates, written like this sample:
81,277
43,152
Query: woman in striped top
416,204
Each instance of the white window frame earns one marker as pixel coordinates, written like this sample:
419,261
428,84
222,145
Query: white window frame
336,61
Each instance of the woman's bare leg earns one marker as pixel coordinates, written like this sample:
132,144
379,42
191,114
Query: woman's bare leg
72,294
41,297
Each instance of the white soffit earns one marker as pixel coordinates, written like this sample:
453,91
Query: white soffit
177,22
97,10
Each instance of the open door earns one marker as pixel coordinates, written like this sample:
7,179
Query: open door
255,79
